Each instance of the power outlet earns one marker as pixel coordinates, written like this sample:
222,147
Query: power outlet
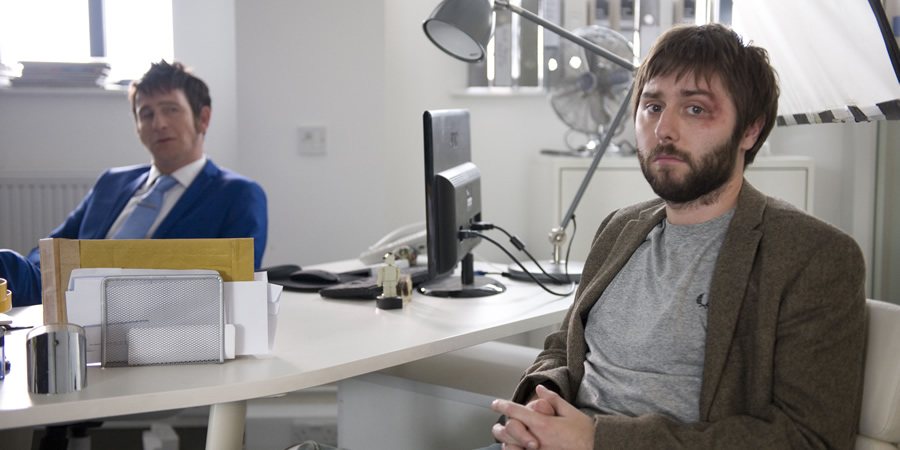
313,140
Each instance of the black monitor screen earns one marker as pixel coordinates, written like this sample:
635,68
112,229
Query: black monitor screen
452,203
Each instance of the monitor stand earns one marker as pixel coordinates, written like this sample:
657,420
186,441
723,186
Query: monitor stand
467,285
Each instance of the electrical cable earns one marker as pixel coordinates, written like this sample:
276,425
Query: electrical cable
516,242
569,248
468,234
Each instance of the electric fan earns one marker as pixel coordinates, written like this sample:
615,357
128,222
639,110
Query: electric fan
586,90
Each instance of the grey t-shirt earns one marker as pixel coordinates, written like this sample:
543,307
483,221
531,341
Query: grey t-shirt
646,335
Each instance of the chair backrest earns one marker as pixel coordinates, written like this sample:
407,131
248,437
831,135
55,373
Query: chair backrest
879,421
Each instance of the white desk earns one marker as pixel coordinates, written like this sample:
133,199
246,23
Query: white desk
318,341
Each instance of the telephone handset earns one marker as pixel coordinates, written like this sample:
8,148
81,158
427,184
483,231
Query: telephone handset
413,235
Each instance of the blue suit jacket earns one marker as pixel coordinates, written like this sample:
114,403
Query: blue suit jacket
218,204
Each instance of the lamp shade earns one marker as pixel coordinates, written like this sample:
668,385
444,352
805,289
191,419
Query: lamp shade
462,28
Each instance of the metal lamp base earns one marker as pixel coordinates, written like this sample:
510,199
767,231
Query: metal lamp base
557,270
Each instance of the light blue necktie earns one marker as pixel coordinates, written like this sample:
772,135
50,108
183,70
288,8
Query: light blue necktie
144,214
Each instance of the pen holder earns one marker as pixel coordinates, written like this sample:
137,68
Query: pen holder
163,319
56,357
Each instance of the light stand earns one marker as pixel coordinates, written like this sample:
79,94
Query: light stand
462,28
557,267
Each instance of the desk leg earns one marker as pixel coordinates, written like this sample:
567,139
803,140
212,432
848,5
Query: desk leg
17,437
226,426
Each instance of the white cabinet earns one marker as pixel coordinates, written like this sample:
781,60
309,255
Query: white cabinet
618,182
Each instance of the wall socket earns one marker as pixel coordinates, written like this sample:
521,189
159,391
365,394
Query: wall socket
313,139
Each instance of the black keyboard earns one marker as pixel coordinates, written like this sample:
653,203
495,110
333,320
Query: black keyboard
366,288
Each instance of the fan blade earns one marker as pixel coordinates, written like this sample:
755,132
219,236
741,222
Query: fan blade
587,96
575,107
598,113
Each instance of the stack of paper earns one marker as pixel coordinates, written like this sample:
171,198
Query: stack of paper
62,74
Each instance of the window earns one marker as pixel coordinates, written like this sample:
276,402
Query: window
515,54
523,55
135,32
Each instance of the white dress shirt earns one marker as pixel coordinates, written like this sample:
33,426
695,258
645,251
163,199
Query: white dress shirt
185,176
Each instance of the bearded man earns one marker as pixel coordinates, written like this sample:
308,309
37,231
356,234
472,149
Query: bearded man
712,317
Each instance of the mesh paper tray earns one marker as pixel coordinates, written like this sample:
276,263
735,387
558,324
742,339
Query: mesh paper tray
162,319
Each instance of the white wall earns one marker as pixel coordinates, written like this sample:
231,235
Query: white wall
845,157
368,76
204,38
507,131
54,132
314,63
365,70
887,227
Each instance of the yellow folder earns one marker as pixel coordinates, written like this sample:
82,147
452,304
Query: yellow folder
232,258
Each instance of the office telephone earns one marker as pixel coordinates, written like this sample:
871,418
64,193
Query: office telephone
412,235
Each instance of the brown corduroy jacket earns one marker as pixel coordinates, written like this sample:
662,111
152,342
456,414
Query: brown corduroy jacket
785,338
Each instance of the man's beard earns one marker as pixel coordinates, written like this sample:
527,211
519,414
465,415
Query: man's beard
703,179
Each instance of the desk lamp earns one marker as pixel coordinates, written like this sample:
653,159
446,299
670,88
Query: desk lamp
462,28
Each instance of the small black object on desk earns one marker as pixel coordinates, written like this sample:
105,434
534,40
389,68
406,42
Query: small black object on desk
382,302
311,280
280,272
367,288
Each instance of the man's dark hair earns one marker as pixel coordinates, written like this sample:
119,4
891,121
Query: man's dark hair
164,77
714,49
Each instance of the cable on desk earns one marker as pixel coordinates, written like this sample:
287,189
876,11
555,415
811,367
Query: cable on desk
569,248
468,234
516,242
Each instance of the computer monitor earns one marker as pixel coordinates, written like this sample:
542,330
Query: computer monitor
452,203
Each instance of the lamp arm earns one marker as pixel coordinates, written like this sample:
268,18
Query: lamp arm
588,45
557,235
598,154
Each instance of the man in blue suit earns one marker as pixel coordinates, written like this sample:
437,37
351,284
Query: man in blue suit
171,108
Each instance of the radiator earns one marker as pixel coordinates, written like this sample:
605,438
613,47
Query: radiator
33,204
